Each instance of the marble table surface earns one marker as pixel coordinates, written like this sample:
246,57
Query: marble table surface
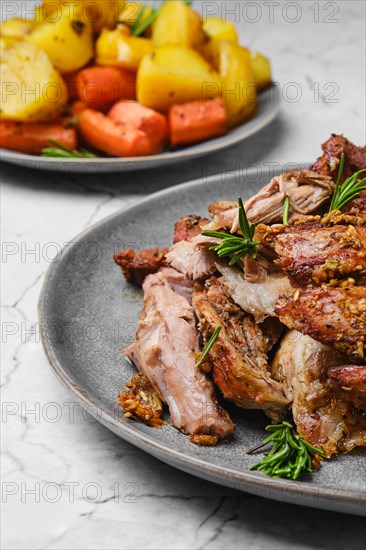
67,481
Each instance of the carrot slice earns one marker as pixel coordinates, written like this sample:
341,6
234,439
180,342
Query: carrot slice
113,139
70,81
132,114
100,87
197,121
77,107
32,137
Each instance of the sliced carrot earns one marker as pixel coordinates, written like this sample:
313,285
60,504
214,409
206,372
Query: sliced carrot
197,121
107,136
100,87
135,115
77,107
70,81
32,137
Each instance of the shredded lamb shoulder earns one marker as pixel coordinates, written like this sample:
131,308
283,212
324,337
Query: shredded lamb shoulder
164,350
240,354
323,414
307,192
331,315
292,318
310,253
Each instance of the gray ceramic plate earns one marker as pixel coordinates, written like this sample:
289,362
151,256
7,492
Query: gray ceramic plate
268,107
88,313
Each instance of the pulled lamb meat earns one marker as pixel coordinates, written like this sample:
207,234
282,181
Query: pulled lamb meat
258,299
323,413
188,227
310,253
331,315
328,163
137,264
307,192
194,258
181,284
164,350
357,207
240,354
352,380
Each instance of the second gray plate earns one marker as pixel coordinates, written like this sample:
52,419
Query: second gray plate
268,107
88,314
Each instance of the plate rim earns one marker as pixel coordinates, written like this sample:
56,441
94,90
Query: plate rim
353,502
181,155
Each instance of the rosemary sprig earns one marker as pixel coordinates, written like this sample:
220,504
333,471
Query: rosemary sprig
290,454
239,245
208,346
140,26
349,190
286,210
61,151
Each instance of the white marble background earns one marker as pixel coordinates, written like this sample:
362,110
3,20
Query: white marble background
66,483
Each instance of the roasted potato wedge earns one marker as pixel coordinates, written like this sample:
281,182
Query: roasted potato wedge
176,23
217,29
32,89
68,41
262,70
15,29
114,48
101,13
174,74
238,88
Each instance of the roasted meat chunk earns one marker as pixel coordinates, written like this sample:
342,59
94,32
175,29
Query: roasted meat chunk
323,415
137,264
181,284
194,259
239,356
357,207
164,350
331,315
351,379
306,190
328,163
315,254
259,299
188,227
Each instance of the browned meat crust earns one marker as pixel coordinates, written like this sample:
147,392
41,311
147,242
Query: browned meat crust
323,413
358,206
322,254
217,208
327,164
239,355
141,401
136,265
331,315
351,379
188,227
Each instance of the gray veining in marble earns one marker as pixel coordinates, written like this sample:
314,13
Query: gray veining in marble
67,481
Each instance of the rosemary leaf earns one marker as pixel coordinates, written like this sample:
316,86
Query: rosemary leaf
139,27
60,151
208,347
239,244
289,456
349,190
